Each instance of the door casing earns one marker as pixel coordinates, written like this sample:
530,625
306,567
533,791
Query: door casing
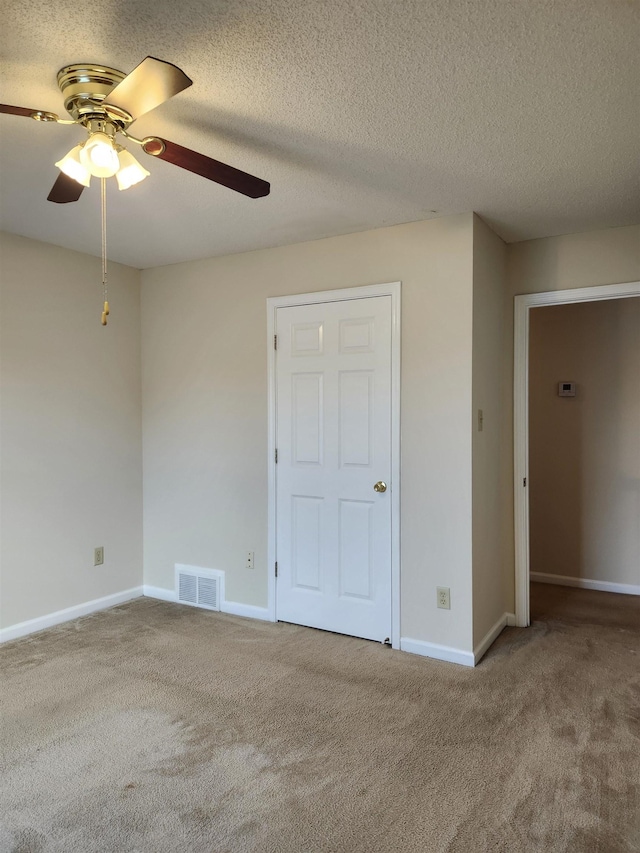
392,289
522,306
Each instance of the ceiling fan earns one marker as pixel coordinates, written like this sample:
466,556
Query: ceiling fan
105,102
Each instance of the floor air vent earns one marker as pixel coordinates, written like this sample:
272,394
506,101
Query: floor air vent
199,587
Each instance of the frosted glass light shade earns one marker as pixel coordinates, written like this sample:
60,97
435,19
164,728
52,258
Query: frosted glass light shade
130,171
99,156
71,166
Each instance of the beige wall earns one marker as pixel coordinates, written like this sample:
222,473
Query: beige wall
70,440
610,256
584,451
71,412
593,258
205,409
490,586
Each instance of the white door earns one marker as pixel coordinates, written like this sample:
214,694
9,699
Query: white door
333,436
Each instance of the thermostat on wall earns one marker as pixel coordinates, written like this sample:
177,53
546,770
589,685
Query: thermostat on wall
566,389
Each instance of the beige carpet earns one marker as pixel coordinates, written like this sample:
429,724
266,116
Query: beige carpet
155,727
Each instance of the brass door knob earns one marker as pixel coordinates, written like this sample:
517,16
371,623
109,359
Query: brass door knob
380,487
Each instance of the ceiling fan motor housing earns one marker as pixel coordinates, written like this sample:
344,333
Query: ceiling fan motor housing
85,86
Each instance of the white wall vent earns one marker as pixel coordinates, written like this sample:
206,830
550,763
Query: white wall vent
199,587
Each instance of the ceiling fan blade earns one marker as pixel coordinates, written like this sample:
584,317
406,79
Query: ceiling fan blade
208,168
65,190
40,115
150,84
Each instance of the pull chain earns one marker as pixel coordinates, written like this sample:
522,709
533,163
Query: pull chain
103,208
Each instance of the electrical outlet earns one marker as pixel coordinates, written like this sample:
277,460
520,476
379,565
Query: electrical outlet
444,597
98,556
250,558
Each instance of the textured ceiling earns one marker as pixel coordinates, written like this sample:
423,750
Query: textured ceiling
361,113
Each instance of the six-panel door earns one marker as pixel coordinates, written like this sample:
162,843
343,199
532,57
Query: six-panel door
333,432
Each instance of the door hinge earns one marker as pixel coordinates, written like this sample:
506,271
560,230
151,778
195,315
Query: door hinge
275,342
276,570
524,481
276,455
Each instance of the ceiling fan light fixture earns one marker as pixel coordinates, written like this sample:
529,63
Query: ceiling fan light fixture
130,172
72,166
99,155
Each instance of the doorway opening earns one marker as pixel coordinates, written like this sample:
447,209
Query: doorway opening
522,389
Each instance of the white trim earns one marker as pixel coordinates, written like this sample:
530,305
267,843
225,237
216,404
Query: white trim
521,460
511,620
586,583
452,655
271,462
522,305
433,650
582,294
160,593
392,289
490,637
21,629
233,608
249,611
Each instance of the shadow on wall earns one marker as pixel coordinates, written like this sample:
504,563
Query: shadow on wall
628,448
555,448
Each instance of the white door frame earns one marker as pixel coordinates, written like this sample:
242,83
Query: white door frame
273,303
521,416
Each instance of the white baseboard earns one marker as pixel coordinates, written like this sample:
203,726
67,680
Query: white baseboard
489,638
32,625
433,650
447,653
585,583
159,592
21,629
233,608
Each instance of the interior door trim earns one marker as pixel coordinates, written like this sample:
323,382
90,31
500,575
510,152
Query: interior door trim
392,289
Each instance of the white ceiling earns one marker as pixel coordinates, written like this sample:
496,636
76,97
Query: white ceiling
361,113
